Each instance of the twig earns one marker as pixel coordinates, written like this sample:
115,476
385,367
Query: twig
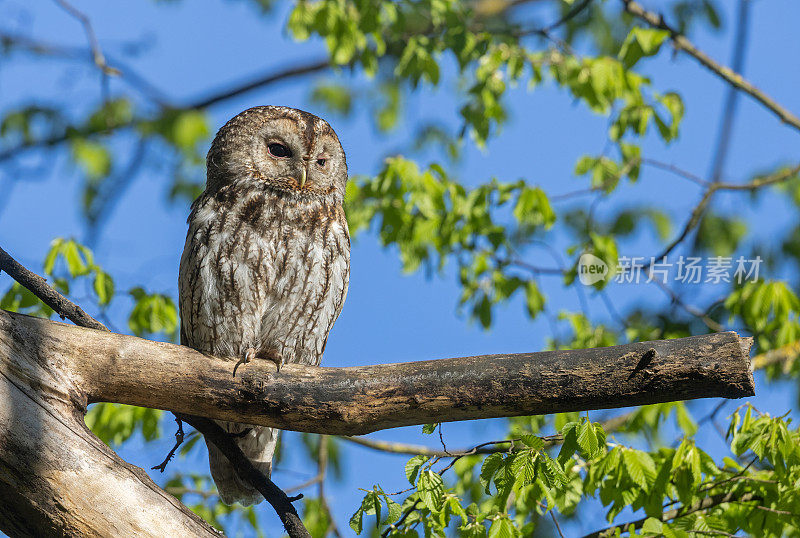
257,82
128,74
203,102
322,469
677,171
555,522
180,490
704,504
694,311
732,96
40,288
245,469
699,209
97,53
569,15
421,450
178,442
733,78
785,354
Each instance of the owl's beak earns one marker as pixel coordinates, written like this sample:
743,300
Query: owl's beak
303,176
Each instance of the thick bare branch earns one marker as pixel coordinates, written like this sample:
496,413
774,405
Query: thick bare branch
56,478
348,401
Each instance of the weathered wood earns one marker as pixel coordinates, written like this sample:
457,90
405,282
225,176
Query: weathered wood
56,478
349,401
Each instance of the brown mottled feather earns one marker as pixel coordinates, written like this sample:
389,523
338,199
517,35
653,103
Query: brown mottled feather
266,263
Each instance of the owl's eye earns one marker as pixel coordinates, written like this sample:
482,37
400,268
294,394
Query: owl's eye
279,150
321,162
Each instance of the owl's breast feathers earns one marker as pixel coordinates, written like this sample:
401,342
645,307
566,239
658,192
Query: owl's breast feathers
265,271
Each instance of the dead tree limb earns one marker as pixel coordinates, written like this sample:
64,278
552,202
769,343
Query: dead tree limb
351,401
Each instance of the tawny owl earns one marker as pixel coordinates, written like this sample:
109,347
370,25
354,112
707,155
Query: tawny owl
266,265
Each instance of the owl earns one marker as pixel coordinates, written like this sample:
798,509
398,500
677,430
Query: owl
266,265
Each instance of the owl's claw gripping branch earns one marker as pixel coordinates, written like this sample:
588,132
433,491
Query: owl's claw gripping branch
248,356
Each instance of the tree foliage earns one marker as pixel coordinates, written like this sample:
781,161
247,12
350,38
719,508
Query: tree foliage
647,470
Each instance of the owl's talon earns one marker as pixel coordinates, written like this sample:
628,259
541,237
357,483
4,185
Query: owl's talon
249,355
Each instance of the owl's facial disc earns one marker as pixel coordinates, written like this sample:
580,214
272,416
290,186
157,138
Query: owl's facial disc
284,149
299,161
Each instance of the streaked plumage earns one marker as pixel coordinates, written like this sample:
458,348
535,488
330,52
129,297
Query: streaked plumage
266,264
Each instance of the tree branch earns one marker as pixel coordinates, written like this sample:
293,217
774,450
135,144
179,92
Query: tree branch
97,53
269,78
414,450
39,287
348,401
694,219
733,78
245,469
704,504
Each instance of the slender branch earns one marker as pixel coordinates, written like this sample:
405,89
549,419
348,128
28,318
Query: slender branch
322,469
785,354
179,436
39,287
733,78
180,490
677,171
731,96
127,74
704,504
694,220
245,469
97,53
269,78
421,450
569,15
763,181
259,81
692,310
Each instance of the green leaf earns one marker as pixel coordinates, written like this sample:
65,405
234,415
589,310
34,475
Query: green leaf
431,489
532,441
587,439
104,287
640,467
533,208
429,428
412,468
490,465
93,157
641,42
502,527
356,521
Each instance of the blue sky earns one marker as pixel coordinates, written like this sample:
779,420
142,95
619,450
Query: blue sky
388,317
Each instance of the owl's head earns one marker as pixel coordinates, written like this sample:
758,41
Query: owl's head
279,148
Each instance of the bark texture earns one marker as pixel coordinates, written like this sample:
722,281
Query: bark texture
351,401
56,478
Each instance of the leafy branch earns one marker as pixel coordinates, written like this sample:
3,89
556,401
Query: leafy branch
733,78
